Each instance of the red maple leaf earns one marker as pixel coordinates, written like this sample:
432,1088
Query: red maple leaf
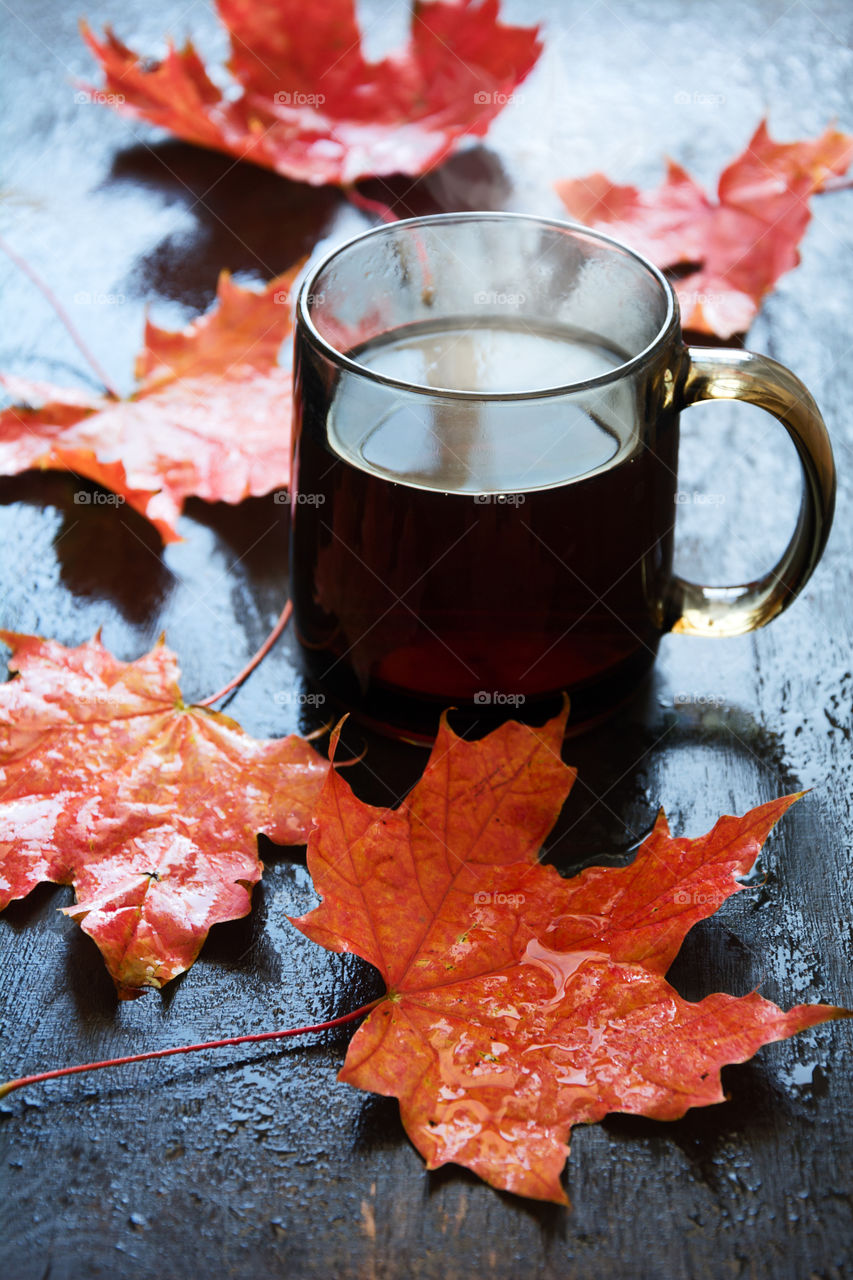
519,1003
149,808
742,243
311,106
210,416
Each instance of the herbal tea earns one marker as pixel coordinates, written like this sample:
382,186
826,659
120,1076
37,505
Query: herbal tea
480,551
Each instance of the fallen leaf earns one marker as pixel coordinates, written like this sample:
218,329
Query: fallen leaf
520,1004
210,416
741,244
149,808
307,104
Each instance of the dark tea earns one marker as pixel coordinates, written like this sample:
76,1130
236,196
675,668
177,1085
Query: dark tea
480,552
484,471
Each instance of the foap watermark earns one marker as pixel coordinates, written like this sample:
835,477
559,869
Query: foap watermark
500,499
86,298
684,99
692,298
289,698
282,298
697,499
698,700
100,498
284,498
295,98
494,298
484,899
93,701
88,96
488,97
485,698
695,898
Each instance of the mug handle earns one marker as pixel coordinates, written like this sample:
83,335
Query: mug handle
721,374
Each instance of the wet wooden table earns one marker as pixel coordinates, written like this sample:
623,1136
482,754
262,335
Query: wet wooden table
257,1163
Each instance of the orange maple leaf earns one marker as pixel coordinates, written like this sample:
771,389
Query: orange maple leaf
149,808
311,106
742,243
209,418
520,1004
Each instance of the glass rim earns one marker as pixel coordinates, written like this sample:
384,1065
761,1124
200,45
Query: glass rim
305,322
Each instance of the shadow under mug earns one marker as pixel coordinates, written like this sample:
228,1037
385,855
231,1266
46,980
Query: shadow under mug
485,471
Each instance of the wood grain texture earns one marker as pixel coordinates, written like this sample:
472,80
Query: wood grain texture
260,1164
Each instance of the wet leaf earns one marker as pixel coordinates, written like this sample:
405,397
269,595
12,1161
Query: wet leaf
741,243
149,808
210,416
520,1004
305,102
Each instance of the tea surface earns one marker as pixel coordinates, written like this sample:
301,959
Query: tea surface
483,446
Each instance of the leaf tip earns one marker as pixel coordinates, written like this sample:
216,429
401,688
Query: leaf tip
662,823
336,737
223,283
443,723
560,1197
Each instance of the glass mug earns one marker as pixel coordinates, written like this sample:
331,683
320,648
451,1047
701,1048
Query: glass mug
485,471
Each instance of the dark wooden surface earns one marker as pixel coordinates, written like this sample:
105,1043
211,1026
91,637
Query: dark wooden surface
251,1164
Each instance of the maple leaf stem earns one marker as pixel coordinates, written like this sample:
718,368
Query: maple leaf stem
366,205
75,336
10,1085
834,184
283,619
